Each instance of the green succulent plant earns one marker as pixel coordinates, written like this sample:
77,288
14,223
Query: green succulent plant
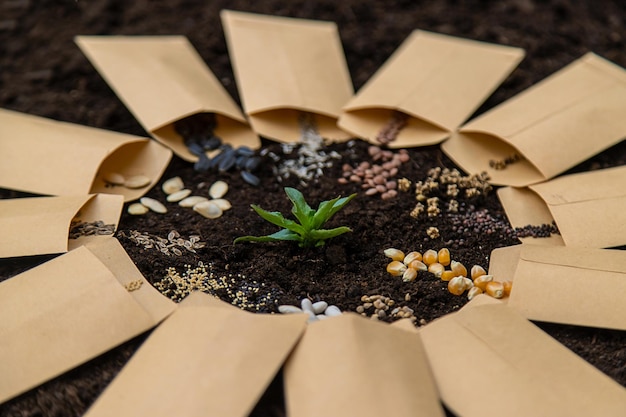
308,232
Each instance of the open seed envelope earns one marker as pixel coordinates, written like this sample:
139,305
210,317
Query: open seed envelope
69,310
352,366
437,80
588,208
45,156
578,286
542,132
503,261
45,225
285,67
162,79
490,361
206,359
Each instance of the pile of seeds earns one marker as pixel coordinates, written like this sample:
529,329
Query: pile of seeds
537,231
377,177
435,262
480,223
390,131
133,285
79,228
237,289
503,163
112,179
319,310
173,245
198,135
381,307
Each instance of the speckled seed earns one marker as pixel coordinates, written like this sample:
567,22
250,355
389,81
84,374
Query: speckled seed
137,209
192,201
222,203
288,309
208,209
332,311
114,178
137,181
153,205
218,189
320,307
173,185
178,195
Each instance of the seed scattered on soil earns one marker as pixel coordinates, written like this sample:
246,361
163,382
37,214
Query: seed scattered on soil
380,307
192,201
153,205
178,195
218,189
137,209
172,245
172,185
208,209
319,310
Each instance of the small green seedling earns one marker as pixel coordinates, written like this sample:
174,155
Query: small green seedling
308,232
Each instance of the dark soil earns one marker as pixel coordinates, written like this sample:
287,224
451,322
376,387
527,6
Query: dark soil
44,73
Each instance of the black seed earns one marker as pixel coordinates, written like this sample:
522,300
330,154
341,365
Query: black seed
244,150
210,143
228,160
240,163
250,178
202,164
195,148
253,163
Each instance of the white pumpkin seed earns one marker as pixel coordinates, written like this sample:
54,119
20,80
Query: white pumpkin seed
114,178
192,201
172,185
153,205
288,309
307,305
137,209
320,307
222,203
208,209
137,181
332,311
178,195
218,189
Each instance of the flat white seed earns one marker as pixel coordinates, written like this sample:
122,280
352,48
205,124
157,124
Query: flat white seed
178,195
114,178
137,181
172,185
288,309
222,203
153,205
320,307
208,209
321,316
307,305
192,201
218,189
137,209
332,311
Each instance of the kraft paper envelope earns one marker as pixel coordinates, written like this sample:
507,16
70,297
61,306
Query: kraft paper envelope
65,312
578,286
490,361
45,156
352,366
286,66
162,79
588,207
437,80
206,359
42,225
563,120
503,261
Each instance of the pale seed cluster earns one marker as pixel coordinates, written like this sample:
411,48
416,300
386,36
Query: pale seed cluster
79,228
435,262
133,285
392,128
377,178
112,179
503,163
317,311
379,307
173,245
237,289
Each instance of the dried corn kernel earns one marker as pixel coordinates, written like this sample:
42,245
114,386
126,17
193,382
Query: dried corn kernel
458,268
429,257
436,269
418,265
456,285
477,271
412,256
495,289
447,275
508,285
482,281
409,275
394,254
396,268
468,283
444,256
473,292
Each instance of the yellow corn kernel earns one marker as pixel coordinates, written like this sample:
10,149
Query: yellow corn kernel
482,281
447,275
394,254
456,285
477,271
396,268
468,283
418,265
429,257
473,292
436,269
495,289
409,275
458,268
444,256
508,285
412,256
